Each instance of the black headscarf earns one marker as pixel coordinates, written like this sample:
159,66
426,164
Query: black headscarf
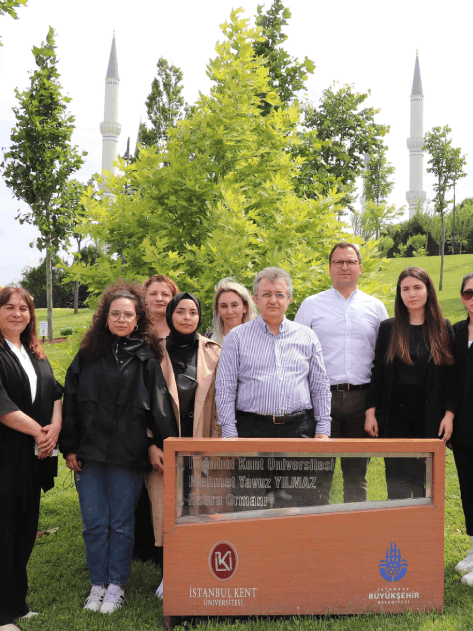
181,339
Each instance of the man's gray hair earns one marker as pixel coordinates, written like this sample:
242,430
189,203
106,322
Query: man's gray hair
273,274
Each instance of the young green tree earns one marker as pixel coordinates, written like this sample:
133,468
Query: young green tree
378,184
165,104
335,137
287,75
373,219
41,158
463,223
226,203
8,7
446,164
73,208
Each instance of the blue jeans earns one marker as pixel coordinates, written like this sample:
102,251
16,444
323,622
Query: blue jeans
108,495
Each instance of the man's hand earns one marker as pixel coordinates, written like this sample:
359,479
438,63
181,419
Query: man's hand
156,458
321,437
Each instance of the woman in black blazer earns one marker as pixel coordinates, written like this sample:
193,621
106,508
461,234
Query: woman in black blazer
462,439
30,422
412,389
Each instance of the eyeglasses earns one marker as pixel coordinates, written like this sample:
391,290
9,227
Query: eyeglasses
116,315
339,264
268,294
467,295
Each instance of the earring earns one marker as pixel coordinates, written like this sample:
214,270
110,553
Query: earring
106,325
136,328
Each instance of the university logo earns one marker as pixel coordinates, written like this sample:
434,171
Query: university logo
223,561
393,568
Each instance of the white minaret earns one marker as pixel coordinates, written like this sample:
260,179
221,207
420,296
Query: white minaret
110,128
415,194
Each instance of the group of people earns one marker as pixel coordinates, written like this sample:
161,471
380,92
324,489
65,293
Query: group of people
143,373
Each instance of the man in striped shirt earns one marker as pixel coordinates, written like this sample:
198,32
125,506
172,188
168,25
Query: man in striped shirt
271,380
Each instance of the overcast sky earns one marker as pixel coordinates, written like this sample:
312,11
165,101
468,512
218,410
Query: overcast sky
368,43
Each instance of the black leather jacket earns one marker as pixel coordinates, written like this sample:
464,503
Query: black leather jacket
108,406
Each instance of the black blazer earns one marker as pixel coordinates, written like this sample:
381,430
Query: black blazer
463,423
440,387
19,467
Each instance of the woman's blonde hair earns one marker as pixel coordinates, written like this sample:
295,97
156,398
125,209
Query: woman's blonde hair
230,284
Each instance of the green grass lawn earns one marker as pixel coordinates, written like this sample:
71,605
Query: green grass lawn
58,570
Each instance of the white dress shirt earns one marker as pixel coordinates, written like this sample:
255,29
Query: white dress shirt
347,329
27,366
271,374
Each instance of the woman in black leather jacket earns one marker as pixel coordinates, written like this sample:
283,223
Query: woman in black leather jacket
114,392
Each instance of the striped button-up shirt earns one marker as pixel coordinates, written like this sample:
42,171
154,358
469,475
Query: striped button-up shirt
272,374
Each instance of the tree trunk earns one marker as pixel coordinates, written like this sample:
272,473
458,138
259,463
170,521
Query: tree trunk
49,291
76,296
453,226
442,253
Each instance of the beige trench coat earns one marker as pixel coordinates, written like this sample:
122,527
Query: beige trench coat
205,417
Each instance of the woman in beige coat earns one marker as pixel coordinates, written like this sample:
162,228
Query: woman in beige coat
189,366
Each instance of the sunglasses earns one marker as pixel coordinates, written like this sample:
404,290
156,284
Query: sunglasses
467,295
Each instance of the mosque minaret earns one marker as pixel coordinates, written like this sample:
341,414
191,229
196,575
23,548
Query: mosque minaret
415,194
110,128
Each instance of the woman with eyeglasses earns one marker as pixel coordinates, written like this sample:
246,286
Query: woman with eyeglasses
412,389
114,392
462,439
189,366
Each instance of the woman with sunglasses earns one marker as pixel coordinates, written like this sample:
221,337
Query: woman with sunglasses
412,389
114,392
462,439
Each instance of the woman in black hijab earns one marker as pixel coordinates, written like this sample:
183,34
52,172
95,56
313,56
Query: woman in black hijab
189,366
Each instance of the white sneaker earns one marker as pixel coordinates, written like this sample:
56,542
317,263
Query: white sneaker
466,565
96,596
160,590
9,627
467,579
114,599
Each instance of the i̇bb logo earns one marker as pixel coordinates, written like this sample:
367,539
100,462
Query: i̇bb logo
223,561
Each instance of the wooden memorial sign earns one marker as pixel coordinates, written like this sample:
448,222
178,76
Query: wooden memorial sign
249,529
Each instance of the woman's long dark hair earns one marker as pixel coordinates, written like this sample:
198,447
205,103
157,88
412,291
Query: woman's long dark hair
98,336
28,337
438,341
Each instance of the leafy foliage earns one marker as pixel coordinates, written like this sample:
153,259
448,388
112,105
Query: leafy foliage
287,75
373,219
41,158
335,137
378,184
226,203
8,7
165,104
34,280
446,163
